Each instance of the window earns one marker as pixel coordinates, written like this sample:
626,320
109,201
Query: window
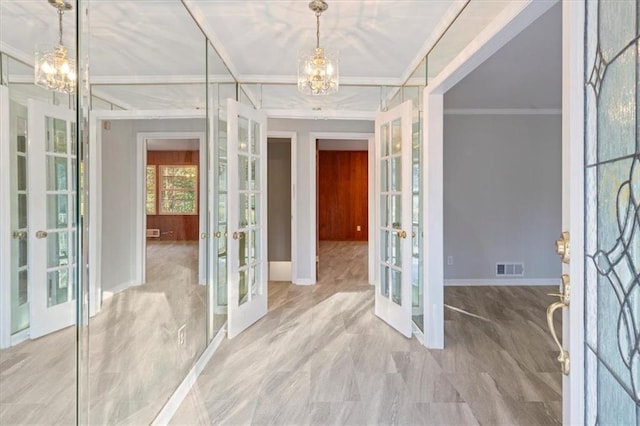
151,190
178,190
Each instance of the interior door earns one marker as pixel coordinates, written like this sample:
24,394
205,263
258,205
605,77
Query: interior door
52,217
247,235
393,203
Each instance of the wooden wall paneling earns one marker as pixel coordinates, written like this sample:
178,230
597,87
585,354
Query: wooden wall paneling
342,195
175,227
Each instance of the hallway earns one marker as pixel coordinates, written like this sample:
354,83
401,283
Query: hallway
320,356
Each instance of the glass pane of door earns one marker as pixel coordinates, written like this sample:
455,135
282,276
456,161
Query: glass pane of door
393,293
612,232
247,277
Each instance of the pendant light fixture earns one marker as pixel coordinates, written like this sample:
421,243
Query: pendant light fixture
318,69
54,69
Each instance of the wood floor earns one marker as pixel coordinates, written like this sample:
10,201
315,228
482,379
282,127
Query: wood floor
135,359
320,356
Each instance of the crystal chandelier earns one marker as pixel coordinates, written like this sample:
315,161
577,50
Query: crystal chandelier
54,69
318,69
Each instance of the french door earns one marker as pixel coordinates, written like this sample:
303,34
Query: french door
247,217
52,217
393,300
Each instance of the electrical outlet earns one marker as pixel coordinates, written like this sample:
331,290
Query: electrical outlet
182,335
449,260
358,228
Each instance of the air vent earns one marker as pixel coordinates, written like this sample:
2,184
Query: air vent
153,233
510,269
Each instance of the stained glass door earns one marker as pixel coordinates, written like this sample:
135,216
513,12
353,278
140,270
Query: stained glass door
247,216
393,300
52,217
612,204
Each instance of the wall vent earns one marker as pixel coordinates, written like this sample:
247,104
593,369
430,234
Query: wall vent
510,269
153,233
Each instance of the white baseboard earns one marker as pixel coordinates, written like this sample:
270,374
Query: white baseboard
503,282
107,294
20,337
417,333
280,271
304,281
169,410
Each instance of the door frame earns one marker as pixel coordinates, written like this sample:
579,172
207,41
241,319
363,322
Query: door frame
141,215
5,221
293,137
313,220
513,20
97,119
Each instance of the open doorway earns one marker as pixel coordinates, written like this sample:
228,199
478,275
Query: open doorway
502,175
342,173
279,221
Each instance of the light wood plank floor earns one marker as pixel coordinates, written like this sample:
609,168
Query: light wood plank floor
320,356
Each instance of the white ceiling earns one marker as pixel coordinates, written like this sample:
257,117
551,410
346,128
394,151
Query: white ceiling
149,54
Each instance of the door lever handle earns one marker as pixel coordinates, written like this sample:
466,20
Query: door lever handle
563,357
19,235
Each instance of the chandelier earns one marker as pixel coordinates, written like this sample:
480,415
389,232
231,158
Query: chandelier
54,69
318,69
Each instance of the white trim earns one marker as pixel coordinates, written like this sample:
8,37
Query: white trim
503,111
144,80
501,282
573,212
20,336
313,188
107,294
508,24
5,220
171,406
279,270
293,136
372,236
433,220
141,211
329,114
419,335
143,114
246,79
306,281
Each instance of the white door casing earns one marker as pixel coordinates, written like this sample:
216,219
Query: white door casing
393,150
247,235
52,217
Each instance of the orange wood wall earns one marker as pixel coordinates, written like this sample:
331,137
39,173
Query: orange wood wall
342,195
174,227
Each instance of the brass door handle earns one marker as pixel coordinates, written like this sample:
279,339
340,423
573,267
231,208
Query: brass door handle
563,246
402,234
217,234
203,235
238,235
563,357
41,234
19,235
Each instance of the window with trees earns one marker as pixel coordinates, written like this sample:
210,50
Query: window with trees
178,190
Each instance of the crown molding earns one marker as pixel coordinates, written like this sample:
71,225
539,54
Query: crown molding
293,80
104,80
321,115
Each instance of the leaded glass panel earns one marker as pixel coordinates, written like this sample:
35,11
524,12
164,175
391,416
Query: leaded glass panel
612,228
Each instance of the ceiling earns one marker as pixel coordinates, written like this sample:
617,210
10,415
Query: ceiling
150,54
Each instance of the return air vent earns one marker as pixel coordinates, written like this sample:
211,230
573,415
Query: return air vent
510,269
153,233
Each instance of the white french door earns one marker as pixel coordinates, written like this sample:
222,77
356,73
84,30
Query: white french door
393,203
52,217
247,220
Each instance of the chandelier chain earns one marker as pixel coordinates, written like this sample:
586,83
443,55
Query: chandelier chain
318,30
60,13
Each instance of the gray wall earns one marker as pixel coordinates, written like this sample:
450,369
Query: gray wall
279,199
119,194
502,194
305,195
